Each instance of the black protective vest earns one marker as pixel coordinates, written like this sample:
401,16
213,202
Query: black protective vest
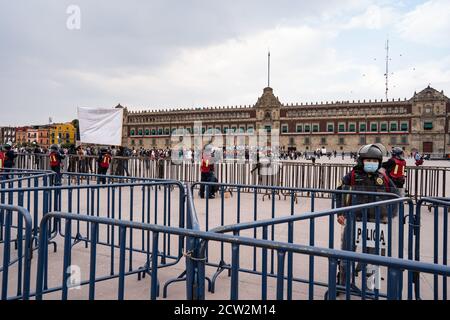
374,183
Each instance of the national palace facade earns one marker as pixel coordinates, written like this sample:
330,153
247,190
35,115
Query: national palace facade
418,123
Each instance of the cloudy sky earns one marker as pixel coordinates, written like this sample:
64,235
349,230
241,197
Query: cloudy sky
196,53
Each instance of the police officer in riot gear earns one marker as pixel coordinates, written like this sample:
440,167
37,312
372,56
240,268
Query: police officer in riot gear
10,155
365,176
395,167
207,171
55,164
2,160
104,160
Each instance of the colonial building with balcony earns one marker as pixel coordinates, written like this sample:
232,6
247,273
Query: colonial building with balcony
419,123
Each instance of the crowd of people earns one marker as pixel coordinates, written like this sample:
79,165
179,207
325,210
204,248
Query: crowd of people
83,159
153,153
319,153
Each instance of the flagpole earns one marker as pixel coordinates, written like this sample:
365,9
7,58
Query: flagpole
268,70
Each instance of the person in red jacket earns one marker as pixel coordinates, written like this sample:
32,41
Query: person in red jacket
207,171
9,162
395,167
55,165
419,158
104,160
2,159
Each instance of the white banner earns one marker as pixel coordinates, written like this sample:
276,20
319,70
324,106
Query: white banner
100,126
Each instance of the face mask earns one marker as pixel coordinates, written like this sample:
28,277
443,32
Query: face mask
370,167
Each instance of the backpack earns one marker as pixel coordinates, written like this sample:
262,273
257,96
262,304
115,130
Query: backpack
54,159
398,172
105,161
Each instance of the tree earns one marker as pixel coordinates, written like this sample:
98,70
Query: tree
67,145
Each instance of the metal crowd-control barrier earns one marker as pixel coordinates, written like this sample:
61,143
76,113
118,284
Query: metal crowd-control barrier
152,251
195,264
289,218
198,241
396,266
224,217
154,233
427,182
146,201
19,264
19,180
439,230
423,181
349,212
14,175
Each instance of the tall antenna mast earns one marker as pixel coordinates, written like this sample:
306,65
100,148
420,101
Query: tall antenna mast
268,69
387,68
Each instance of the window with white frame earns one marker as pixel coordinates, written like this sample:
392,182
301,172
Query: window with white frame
362,127
307,128
352,127
393,126
404,126
315,127
374,126
330,127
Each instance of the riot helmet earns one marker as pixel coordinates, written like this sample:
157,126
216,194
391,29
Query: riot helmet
397,152
370,151
54,147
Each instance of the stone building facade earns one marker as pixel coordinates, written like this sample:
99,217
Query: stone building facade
418,123
8,134
21,135
44,136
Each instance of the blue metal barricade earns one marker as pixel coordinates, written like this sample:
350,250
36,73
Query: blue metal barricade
159,202
395,274
15,268
154,247
262,228
437,226
99,215
14,175
195,264
216,213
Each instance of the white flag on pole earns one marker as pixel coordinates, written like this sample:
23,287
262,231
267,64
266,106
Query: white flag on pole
100,126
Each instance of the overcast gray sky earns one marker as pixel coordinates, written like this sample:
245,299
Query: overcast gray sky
168,54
